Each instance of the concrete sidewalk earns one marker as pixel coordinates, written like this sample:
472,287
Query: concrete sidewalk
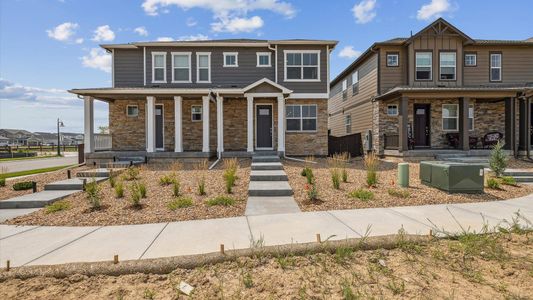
46,245
38,163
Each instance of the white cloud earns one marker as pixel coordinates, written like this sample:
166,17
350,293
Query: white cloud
103,33
237,25
165,39
349,52
364,11
434,9
10,91
141,30
65,33
97,59
193,37
191,22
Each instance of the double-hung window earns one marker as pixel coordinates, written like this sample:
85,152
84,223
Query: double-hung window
423,66
470,59
450,117
355,83
495,67
181,67
263,59
302,65
471,117
344,87
203,67
448,65
196,113
348,123
231,59
159,67
301,117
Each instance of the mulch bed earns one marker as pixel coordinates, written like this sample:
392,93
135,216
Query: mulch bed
154,209
419,194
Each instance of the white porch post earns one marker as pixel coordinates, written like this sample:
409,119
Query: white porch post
250,131
220,124
88,123
205,123
150,124
281,123
178,139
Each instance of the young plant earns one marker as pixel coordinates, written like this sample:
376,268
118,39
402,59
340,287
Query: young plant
498,159
136,194
142,189
399,193
24,185
119,189
335,178
230,173
508,180
201,169
167,179
132,173
176,188
92,190
312,192
362,194
493,183
221,200
2,182
309,175
180,202
371,161
57,206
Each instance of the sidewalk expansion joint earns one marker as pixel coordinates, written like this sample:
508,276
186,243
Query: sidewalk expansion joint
153,241
38,226
349,227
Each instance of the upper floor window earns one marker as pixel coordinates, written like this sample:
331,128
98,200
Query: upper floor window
348,123
301,117
495,67
203,69
302,65
355,82
181,66
159,67
393,59
470,59
424,66
344,87
263,59
231,59
447,65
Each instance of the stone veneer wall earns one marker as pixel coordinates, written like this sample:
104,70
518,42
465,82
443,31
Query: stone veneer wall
235,124
128,133
309,143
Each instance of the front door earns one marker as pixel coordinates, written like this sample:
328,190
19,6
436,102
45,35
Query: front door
263,115
421,130
159,127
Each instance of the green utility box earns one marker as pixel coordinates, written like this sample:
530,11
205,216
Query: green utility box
452,177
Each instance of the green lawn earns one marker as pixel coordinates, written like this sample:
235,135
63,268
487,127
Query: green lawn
32,172
27,158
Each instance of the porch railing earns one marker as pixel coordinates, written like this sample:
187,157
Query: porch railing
392,141
102,142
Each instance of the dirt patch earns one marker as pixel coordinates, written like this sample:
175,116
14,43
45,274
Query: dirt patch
470,267
154,208
417,194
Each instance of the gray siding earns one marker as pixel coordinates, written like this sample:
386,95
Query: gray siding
304,87
128,67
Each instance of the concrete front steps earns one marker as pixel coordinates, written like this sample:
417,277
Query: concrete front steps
74,184
523,176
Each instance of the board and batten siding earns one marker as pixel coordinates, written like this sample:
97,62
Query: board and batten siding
391,77
517,65
128,67
359,106
307,86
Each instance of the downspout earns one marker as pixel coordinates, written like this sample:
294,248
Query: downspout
219,155
275,49
528,124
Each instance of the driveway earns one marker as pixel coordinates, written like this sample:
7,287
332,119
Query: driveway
32,164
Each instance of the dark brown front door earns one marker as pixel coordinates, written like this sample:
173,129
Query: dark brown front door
421,126
159,126
264,126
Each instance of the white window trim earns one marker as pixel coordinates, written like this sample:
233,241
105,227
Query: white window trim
344,84
454,66
355,77
430,66
164,67
301,118
397,60
198,54
173,67
475,59
348,124
258,54
236,54
456,118
201,113
473,116
285,52
392,115
491,67
127,111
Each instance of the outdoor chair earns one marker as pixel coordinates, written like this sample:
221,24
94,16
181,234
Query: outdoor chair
490,139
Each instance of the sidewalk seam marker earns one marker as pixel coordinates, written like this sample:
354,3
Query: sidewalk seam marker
349,227
153,241
249,228
408,217
53,250
479,213
38,226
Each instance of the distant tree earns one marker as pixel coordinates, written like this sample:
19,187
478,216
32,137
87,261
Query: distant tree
103,129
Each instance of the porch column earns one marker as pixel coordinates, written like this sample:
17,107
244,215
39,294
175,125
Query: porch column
525,124
205,123
220,124
150,124
510,123
281,123
464,142
402,124
88,124
178,132
250,131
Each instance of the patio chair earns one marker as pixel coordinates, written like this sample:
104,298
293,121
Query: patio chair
453,139
490,139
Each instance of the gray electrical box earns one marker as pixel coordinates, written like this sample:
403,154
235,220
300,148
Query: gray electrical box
452,177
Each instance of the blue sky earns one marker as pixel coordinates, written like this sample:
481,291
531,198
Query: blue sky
49,46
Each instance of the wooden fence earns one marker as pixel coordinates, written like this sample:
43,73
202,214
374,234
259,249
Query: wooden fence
350,143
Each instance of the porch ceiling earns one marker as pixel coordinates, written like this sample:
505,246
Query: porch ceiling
452,92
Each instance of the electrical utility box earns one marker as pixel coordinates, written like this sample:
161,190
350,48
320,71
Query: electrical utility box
452,177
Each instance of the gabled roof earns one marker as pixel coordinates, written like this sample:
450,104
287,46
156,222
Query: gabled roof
283,89
439,26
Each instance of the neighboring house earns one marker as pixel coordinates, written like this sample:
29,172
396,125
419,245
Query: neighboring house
438,89
4,141
18,137
217,96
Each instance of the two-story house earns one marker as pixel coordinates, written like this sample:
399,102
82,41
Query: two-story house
435,91
198,98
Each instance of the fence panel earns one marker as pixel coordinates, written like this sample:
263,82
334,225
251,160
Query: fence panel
350,143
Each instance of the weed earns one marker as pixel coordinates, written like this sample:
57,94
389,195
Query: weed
167,179
119,189
498,159
132,173
2,182
493,183
362,194
508,180
347,292
285,261
57,206
247,279
180,202
399,193
24,185
396,288
342,254
149,294
221,200
483,245
176,188
371,161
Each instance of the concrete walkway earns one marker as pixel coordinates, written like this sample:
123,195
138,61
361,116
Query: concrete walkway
45,245
38,163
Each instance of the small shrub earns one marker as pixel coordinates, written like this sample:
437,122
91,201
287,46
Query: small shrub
305,171
2,182
312,192
201,167
180,202
230,173
221,200
309,176
142,189
335,178
92,189
498,159
132,173
371,164
362,194
176,188
112,180
57,206
24,185
493,183
167,179
344,175
136,194
119,189
508,180
247,280
399,193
